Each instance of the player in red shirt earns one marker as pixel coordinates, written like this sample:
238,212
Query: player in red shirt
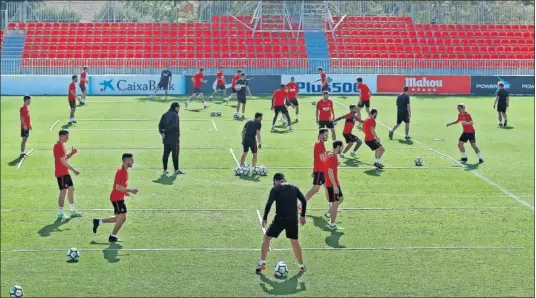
349,123
72,98
333,186
319,157
25,124
323,79
325,114
197,80
364,97
293,90
371,138
65,182
279,100
117,197
83,81
235,79
468,133
220,85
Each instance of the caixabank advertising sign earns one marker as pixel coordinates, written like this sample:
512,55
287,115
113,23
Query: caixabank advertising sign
487,85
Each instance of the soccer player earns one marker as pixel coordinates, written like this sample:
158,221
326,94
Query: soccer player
83,81
403,113
332,183
285,196
65,182
164,83
220,85
235,79
371,138
197,80
293,90
251,130
364,97
323,79
325,114
72,98
25,124
349,123
319,157
279,100
241,94
117,197
468,133
503,98
169,128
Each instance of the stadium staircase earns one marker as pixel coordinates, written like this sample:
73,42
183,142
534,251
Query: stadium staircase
12,43
316,45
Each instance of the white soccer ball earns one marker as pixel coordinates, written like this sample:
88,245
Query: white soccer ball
353,153
212,114
246,171
73,255
238,171
218,114
418,161
235,115
238,87
257,170
16,291
263,171
313,103
281,269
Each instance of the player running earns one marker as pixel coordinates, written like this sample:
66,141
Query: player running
251,130
25,125
403,113
220,85
333,186
503,100
72,98
364,97
83,81
197,80
65,182
235,79
242,89
325,114
292,91
279,100
285,196
117,197
468,133
371,138
349,123
323,79
164,83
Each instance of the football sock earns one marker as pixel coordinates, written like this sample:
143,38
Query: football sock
101,221
464,154
479,155
302,265
112,235
262,262
71,206
60,210
377,160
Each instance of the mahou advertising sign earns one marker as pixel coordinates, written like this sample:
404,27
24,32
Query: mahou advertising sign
425,84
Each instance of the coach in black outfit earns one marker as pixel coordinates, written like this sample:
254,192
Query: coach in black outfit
403,113
169,128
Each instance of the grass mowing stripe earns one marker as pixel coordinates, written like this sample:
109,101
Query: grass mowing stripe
275,168
208,148
53,124
263,230
214,124
22,160
234,157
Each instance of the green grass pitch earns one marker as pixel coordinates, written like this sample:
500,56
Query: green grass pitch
439,230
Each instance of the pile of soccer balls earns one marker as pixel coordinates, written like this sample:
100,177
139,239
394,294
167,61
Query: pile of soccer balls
213,114
245,171
281,269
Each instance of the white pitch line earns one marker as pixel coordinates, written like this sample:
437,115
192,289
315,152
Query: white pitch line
419,208
214,124
234,157
135,129
115,119
275,168
262,228
117,101
53,124
140,209
449,157
22,160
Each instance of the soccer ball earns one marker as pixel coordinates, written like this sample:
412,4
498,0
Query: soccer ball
73,255
246,171
257,170
218,114
235,115
352,153
238,87
281,269
313,103
418,161
263,171
16,291
212,114
238,171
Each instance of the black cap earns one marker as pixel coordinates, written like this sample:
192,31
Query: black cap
279,176
174,105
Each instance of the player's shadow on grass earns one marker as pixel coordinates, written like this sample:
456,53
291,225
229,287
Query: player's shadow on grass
111,252
374,172
319,222
194,110
406,142
165,179
286,286
15,161
254,178
53,227
280,131
334,239
352,162
156,99
508,127
472,166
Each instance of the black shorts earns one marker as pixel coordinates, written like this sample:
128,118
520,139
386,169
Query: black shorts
373,145
501,108
280,109
350,138
221,87
331,194
82,88
241,99
233,89
119,207
278,225
249,144
197,91
294,102
163,86
24,133
364,103
327,124
65,182
318,178
402,116
468,136
72,104
325,88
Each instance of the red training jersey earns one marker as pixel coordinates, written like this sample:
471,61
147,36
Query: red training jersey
364,91
25,114
197,79
72,92
219,76
332,162
323,77
83,78
235,79
279,98
59,154
367,128
319,149
466,117
292,90
121,178
326,109
349,123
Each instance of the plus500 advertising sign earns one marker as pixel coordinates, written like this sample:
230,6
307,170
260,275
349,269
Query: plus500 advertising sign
338,84
133,85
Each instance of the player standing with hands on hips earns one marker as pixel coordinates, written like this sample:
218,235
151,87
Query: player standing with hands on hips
468,133
169,128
